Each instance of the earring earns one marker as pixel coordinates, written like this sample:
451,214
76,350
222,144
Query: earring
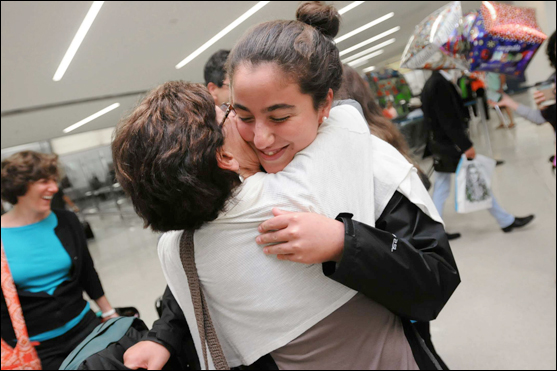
324,118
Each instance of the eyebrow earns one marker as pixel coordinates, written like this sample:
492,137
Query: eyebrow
268,109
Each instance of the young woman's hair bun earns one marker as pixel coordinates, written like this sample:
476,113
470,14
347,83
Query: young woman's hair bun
325,18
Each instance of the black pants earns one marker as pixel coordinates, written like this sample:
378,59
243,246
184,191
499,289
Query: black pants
54,351
423,330
480,93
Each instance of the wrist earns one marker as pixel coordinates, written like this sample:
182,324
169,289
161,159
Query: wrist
108,313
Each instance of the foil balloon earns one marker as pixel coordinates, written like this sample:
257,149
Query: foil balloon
458,46
504,39
425,48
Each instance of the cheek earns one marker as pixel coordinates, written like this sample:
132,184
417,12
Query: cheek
245,130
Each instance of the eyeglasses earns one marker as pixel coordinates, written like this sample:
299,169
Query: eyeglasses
226,108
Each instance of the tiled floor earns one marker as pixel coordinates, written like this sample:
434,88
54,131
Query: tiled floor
503,314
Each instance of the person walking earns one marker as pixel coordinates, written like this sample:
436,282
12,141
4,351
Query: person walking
446,120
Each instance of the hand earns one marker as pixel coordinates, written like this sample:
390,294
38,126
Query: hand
505,101
306,238
539,98
115,315
146,354
471,153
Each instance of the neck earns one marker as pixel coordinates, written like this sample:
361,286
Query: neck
21,216
246,173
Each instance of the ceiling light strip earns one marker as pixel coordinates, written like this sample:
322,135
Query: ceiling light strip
373,48
221,34
350,7
369,41
92,117
78,38
364,27
362,60
369,69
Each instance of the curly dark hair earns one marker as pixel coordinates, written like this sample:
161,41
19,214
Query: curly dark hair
551,49
214,68
23,168
165,158
304,49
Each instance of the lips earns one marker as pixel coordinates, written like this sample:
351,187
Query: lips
271,155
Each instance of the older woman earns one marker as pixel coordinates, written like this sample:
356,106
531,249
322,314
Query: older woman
49,260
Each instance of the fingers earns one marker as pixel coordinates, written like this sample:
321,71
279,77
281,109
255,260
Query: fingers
273,224
280,236
277,212
280,249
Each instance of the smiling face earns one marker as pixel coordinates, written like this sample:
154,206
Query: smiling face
274,117
39,196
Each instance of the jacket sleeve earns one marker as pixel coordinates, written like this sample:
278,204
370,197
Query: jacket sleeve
171,328
88,278
450,116
405,263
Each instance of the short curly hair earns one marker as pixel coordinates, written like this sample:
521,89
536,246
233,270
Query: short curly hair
165,158
23,168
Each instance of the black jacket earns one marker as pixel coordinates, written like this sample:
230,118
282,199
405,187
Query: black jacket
446,121
414,281
44,312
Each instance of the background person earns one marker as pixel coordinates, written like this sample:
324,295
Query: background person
478,87
495,88
446,121
216,79
49,260
544,113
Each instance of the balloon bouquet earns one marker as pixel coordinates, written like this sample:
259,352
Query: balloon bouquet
497,38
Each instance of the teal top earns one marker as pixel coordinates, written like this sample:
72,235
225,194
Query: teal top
39,263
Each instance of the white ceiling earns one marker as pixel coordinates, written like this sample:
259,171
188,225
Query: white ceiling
134,46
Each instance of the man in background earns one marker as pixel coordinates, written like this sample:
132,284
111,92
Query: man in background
446,120
216,79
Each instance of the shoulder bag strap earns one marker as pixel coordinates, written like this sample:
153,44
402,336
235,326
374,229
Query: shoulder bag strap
204,324
24,346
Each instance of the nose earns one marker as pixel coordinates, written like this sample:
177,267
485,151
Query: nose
52,186
263,136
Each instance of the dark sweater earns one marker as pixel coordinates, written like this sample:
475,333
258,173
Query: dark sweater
44,312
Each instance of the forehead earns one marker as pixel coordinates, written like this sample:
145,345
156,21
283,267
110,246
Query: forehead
263,84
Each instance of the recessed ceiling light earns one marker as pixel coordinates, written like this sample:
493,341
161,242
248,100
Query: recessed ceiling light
78,38
364,27
369,41
359,62
218,36
350,7
369,69
378,46
91,118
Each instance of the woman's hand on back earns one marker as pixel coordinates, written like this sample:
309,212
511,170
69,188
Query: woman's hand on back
306,238
146,354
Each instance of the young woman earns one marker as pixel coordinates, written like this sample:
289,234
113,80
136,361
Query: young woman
48,257
358,285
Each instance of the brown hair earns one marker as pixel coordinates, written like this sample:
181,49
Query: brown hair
303,49
354,87
23,168
165,158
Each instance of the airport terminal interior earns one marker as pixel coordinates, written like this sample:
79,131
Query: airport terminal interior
503,313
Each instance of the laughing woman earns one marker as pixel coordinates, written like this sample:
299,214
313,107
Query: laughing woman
49,260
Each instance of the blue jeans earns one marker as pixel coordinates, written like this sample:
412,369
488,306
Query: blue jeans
442,189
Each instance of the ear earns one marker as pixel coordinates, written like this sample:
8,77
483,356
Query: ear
212,87
227,161
326,109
